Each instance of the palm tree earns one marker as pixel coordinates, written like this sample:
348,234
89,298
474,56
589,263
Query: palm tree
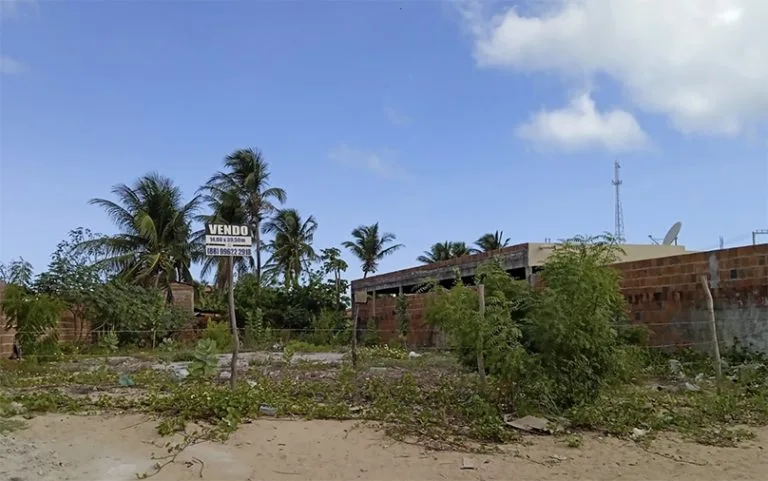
291,247
368,246
226,207
442,251
247,173
491,241
154,245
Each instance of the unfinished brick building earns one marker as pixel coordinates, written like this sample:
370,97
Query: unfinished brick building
660,284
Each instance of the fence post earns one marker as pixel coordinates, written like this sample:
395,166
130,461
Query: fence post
712,326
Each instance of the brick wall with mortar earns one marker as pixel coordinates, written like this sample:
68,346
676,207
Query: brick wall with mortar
419,332
663,294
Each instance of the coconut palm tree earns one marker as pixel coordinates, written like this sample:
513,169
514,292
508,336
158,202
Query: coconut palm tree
225,207
153,247
247,173
491,241
369,246
442,251
291,248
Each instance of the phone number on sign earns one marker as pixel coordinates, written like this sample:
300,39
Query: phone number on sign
227,251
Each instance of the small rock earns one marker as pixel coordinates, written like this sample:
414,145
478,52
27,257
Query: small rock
251,383
467,463
559,457
413,355
267,410
691,387
16,408
180,373
529,423
699,377
638,433
675,366
225,375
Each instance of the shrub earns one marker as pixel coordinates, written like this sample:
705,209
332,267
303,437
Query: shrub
36,318
219,332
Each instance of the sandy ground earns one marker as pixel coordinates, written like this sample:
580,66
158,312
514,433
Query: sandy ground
116,448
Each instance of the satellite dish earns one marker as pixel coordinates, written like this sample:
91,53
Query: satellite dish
672,234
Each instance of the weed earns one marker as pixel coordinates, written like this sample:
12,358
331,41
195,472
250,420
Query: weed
573,441
204,362
11,425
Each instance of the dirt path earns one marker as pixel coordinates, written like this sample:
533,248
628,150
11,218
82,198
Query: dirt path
115,448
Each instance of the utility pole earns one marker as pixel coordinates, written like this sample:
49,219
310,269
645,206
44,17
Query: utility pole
722,242
619,214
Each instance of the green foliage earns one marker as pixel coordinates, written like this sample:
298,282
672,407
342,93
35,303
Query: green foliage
455,312
371,336
220,333
551,349
401,317
572,332
255,333
443,251
204,363
35,318
294,308
491,241
108,342
291,247
154,246
371,246
138,315
18,272
169,344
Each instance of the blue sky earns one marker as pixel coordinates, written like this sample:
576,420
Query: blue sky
440,120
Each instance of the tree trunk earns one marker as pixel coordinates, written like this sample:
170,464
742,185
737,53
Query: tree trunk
257,240
233,326
338,290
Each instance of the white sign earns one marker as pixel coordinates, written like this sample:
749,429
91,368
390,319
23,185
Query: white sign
227,240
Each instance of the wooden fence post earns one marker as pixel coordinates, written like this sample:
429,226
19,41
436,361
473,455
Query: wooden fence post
712,326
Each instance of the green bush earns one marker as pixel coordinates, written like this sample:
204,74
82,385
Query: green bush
220,333
36,318
138,315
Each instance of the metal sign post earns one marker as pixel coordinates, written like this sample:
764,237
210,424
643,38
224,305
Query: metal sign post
224,240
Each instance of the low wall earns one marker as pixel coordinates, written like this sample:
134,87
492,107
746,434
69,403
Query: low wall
666,295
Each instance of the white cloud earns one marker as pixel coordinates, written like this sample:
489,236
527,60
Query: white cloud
580,125
9,65
701,63
397,117
381,164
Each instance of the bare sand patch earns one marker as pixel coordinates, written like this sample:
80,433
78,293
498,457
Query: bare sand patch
117,447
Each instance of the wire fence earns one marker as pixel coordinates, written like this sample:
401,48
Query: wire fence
418,338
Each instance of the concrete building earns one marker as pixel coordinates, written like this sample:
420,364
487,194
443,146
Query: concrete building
522,261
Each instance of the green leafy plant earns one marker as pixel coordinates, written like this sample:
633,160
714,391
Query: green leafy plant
254,329
204,363
35,318
108,342
220,333
401,318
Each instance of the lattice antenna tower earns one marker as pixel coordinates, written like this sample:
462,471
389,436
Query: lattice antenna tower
619,213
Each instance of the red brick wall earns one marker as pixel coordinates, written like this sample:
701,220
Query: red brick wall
419,332
665,295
